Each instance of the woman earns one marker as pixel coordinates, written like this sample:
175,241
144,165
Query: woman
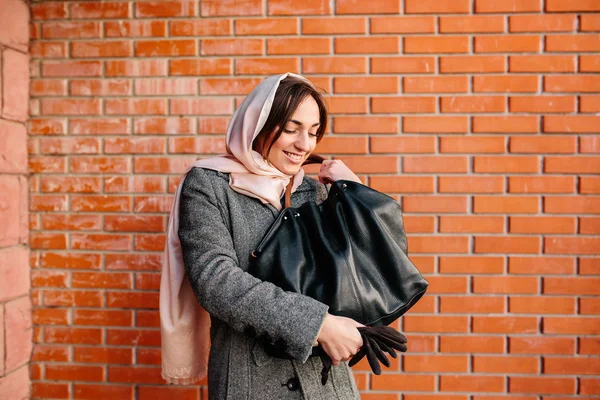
222,209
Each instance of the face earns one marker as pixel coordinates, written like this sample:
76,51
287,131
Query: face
298,138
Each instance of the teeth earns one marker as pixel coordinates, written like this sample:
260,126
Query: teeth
293,156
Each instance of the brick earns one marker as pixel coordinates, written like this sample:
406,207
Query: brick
506,365
436,324
47,164
47,126
99,10
333,65
48,11
571,325
448,244
402,24
333,26
541,265
144,375
471,24
48,241
436,44
380,164
366,45
474,64
157,9
160,165
472,344
571,245
437,84
13,148
578,165
71,222
15,279
99,241
589,144
200,67
347,105
71,106
511,84
103,126
137,68
542,104
472,383
420,224
434,7
146,300
571,123
265,66
49,279
230,7
219,86
542,63
508,6
365,124
48,50
579,286
573,43
69,68
542,145
376,7
588,346
447,284
541,305
48,203
471,224
266,26
102,317
571,366
589,184
567,6
70,146
401,184
156,392
507,244
198,27
541,184
505,325
542,23
85,49
540,345
369,85
134,145
289,7
403,382
135,184
489,144
472,104
162,86
149,242
343,145
443,124
470,184
589,225
70,29
402,144
403,104
78,372
435,363
298,46
589,386
135,28
471,264
133,262
48,88
572,204
70,261
505,285
541,385
438,204
589,63
134,106
589,306
432,164
101,280
589,22
575,83
158,48
506,164
15,82
507,44
198,145
471,305
89,391
49,390
409,65
110,355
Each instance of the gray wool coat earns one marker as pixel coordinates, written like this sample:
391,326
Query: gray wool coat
218,230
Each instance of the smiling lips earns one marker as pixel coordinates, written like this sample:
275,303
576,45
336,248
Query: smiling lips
296,158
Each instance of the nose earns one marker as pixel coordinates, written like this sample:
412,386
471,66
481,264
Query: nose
303,142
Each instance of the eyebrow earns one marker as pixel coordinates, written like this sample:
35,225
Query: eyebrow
301,124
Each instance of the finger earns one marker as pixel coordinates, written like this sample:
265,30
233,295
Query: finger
379,353
357,357
372,358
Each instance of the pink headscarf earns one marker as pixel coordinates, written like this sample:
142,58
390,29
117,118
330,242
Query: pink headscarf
184,324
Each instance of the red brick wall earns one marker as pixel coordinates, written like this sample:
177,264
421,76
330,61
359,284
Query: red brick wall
481,114
15,304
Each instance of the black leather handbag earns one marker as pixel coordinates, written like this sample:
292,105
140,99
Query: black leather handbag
349,252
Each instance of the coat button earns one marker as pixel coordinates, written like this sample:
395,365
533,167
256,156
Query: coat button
293,384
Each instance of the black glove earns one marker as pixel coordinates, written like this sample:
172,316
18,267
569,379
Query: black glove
376,342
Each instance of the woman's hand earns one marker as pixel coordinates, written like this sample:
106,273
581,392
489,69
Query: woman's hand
334,170
340,338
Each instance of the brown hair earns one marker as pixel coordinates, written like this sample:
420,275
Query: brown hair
290,94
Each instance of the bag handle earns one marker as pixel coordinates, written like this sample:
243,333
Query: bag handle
312,159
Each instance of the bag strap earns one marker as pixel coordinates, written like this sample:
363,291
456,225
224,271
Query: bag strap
312,159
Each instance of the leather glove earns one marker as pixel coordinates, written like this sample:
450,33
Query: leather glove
376,342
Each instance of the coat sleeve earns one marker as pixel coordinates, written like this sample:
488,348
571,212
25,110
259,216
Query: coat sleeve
231,294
